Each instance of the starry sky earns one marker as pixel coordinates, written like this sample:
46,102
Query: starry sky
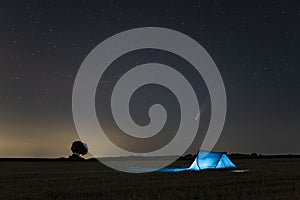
255,45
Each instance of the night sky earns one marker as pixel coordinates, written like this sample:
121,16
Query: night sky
255,45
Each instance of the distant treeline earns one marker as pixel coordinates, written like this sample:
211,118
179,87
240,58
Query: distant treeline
38,159
244,156
186,157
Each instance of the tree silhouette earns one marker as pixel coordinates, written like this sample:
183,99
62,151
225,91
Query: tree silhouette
78,148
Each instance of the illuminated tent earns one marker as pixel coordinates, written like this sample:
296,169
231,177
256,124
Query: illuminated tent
211,160
206,161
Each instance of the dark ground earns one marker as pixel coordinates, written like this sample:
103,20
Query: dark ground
268,178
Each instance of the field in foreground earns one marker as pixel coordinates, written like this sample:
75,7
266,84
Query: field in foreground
266,179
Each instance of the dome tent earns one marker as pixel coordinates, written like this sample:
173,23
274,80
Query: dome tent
211,160
206,161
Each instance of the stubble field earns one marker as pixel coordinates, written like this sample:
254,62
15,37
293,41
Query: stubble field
266,179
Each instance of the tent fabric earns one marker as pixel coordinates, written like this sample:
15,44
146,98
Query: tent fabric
206,161
211,160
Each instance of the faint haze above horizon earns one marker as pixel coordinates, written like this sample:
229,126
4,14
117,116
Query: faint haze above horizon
255,45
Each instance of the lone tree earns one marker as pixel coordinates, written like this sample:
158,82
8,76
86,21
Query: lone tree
78,148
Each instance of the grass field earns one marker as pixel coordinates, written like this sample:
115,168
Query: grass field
266,179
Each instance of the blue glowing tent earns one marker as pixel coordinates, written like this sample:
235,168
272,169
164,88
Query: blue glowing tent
211,160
